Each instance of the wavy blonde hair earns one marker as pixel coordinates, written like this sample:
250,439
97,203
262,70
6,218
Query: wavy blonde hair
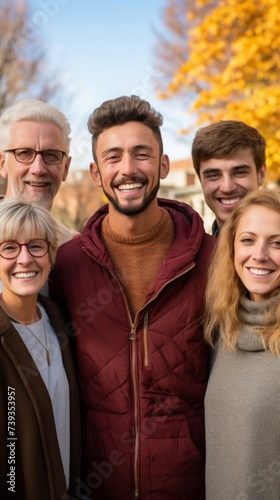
225,289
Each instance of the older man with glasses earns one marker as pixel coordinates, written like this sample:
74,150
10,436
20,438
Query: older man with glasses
34,154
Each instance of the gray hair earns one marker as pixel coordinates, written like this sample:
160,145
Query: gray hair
34,220
33,110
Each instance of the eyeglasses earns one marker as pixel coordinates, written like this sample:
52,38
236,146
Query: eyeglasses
27,155
12,249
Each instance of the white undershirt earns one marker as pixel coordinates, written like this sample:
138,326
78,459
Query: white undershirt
54,377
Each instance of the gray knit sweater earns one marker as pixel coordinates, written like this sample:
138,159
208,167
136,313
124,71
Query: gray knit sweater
242,413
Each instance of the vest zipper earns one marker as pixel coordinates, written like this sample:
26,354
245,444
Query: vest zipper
145,339
132,337
132,334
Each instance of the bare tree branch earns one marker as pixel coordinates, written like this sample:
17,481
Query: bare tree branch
22,57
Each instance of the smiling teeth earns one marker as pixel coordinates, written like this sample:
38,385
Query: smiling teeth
130,187
260,272
230,202
25,275
37,184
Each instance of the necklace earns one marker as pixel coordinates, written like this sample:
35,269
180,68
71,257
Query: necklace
41,316
46,340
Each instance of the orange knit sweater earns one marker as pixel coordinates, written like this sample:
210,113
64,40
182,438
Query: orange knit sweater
137,259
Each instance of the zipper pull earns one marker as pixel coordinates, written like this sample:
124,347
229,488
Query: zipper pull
132,334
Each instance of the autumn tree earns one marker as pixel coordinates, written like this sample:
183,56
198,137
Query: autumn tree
24,69
225,55
22,59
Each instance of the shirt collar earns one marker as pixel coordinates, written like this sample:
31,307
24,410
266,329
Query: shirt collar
215,229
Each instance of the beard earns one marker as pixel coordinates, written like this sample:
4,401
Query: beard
133,210
45,199
39,199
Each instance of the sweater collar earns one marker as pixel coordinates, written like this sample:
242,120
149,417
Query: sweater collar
253,314
139,239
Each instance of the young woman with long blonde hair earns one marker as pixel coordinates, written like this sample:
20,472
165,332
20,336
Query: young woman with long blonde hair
242,324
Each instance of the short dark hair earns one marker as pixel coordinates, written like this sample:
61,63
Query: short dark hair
120,111
224,138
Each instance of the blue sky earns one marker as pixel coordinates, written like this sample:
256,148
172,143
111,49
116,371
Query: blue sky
102,49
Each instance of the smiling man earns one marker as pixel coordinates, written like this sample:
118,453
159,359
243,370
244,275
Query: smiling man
34,154
229,159
133,284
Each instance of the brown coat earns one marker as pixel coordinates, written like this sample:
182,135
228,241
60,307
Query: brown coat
35,451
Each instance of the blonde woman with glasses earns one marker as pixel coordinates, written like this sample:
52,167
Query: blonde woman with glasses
39,411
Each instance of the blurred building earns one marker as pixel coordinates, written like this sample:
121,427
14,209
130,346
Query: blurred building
182,184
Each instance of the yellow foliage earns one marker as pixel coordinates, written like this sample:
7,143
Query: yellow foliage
233,66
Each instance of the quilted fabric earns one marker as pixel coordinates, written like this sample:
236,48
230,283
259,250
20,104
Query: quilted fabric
142,385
